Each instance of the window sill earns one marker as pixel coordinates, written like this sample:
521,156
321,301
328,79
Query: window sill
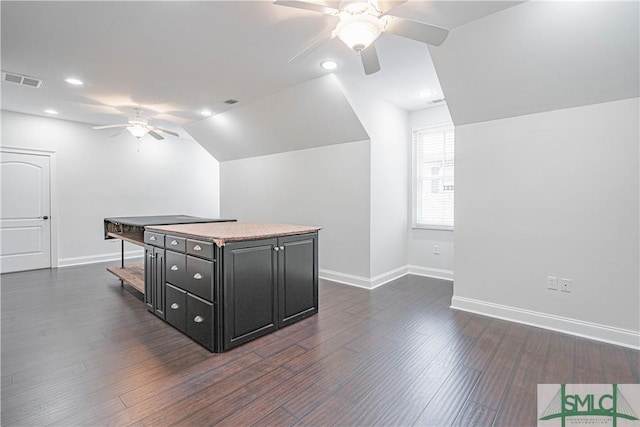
431,227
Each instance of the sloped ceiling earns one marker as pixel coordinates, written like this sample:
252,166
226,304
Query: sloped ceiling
540,56
311,114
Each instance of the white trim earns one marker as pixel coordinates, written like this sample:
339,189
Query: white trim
346,279
389,276
431,272
363,282
92,259
53,196
594,331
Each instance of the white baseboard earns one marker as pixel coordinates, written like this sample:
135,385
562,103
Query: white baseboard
91,259
384,278
431,272
363,282
346,279
608,334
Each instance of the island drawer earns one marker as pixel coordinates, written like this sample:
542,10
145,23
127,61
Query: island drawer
176,268
200,249
155,239
199,277
200,321
176,310
178,244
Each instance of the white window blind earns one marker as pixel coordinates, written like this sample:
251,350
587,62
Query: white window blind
433,172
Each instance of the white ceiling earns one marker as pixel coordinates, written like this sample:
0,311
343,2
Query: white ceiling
176,58
541,56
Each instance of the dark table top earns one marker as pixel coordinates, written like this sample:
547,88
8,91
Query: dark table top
143,221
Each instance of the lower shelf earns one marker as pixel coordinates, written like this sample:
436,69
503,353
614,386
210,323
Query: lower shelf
132,275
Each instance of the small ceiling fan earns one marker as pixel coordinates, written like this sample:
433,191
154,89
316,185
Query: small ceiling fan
362,22
139,126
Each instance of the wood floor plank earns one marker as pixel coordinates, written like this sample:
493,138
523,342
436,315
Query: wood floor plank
277,418
519,407
395,355
475,415
219,408
445,406
496,378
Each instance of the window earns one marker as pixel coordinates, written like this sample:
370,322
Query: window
433,185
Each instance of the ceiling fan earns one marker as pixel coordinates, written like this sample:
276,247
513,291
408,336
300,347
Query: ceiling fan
362,22
139,126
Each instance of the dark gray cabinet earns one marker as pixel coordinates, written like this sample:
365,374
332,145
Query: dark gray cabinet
224,296
154,268
297,278
268,284
250,296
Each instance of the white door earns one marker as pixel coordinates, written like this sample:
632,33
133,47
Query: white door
25,227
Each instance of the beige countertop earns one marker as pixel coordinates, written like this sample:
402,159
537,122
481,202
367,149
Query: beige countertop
222,232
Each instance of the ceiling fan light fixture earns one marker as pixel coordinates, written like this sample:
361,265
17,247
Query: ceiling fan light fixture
74,81
359,31
138,130
329,65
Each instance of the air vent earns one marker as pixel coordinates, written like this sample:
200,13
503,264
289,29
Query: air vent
22,80
230,101
438,101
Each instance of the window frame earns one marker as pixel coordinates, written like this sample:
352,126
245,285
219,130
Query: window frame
442,126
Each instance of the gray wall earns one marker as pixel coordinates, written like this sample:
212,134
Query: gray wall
99,176
552,194
388,127
325,186
422,259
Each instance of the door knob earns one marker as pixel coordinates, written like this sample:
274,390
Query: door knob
44,217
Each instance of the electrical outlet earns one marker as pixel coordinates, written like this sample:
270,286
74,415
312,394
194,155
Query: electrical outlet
552,283
436,249
565,285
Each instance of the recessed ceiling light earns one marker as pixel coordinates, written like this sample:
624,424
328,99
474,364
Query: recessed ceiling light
74,81
206,113
329,65
50,111
426,93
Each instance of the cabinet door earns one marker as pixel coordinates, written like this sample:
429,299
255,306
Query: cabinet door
176,307
148,277
159,280
200,274
297,278
249,290
200,321
176,268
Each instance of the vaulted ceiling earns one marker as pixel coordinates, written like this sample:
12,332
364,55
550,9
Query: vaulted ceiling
175,58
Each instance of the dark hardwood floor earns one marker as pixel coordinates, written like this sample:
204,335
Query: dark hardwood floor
77,349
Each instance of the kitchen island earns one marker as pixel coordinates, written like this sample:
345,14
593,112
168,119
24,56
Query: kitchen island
226,283
131,229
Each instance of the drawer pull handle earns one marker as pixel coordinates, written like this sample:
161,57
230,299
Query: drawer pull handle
153,238
175,306
197,248
198,319
174,243
174,268
197,276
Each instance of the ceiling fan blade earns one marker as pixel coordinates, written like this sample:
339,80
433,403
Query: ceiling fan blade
384,6
168,132
156,135
369,58
308,6
313,46
111,126
414,30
